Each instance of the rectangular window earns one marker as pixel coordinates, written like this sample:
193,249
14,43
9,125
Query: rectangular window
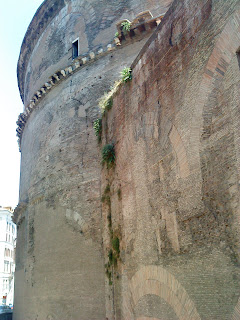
75,48
6,266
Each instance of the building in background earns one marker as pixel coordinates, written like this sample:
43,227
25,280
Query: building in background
7,255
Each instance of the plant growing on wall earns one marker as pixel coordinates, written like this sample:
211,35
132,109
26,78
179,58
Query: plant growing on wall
106,101
126,26
97,125
126,74
114,249
113,257
115,245
117,34
108,155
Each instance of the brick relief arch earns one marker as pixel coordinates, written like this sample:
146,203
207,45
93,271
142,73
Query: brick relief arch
236,312
225,50
156,280
226,47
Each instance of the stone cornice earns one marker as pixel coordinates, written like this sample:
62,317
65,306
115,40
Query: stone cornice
19,213
138,31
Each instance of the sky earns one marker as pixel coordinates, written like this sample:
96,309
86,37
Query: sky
15,16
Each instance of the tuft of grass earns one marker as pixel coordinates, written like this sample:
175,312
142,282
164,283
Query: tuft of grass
126,74
113,257
126,26
109,103
108,154
106,101
117,34
97,126
115,245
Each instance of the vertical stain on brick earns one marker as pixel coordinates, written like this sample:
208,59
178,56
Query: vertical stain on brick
180,151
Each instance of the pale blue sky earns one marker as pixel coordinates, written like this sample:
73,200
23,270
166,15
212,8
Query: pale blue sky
15,16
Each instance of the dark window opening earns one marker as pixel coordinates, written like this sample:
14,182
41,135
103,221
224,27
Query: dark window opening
141,28
75,49
153,24
131,33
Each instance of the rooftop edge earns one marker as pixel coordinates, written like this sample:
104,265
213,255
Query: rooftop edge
43,16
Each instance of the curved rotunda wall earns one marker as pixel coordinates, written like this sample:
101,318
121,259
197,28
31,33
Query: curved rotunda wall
93,22
43,16
60,265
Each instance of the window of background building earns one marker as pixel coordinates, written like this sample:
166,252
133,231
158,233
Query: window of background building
6,266
4,284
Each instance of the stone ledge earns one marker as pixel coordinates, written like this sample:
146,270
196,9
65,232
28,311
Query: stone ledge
19,213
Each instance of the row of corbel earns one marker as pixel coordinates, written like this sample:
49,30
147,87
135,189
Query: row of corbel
76,64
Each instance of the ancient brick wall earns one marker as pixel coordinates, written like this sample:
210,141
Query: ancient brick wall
172,197
60,263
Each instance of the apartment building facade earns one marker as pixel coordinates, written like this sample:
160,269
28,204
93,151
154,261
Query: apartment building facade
7,255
